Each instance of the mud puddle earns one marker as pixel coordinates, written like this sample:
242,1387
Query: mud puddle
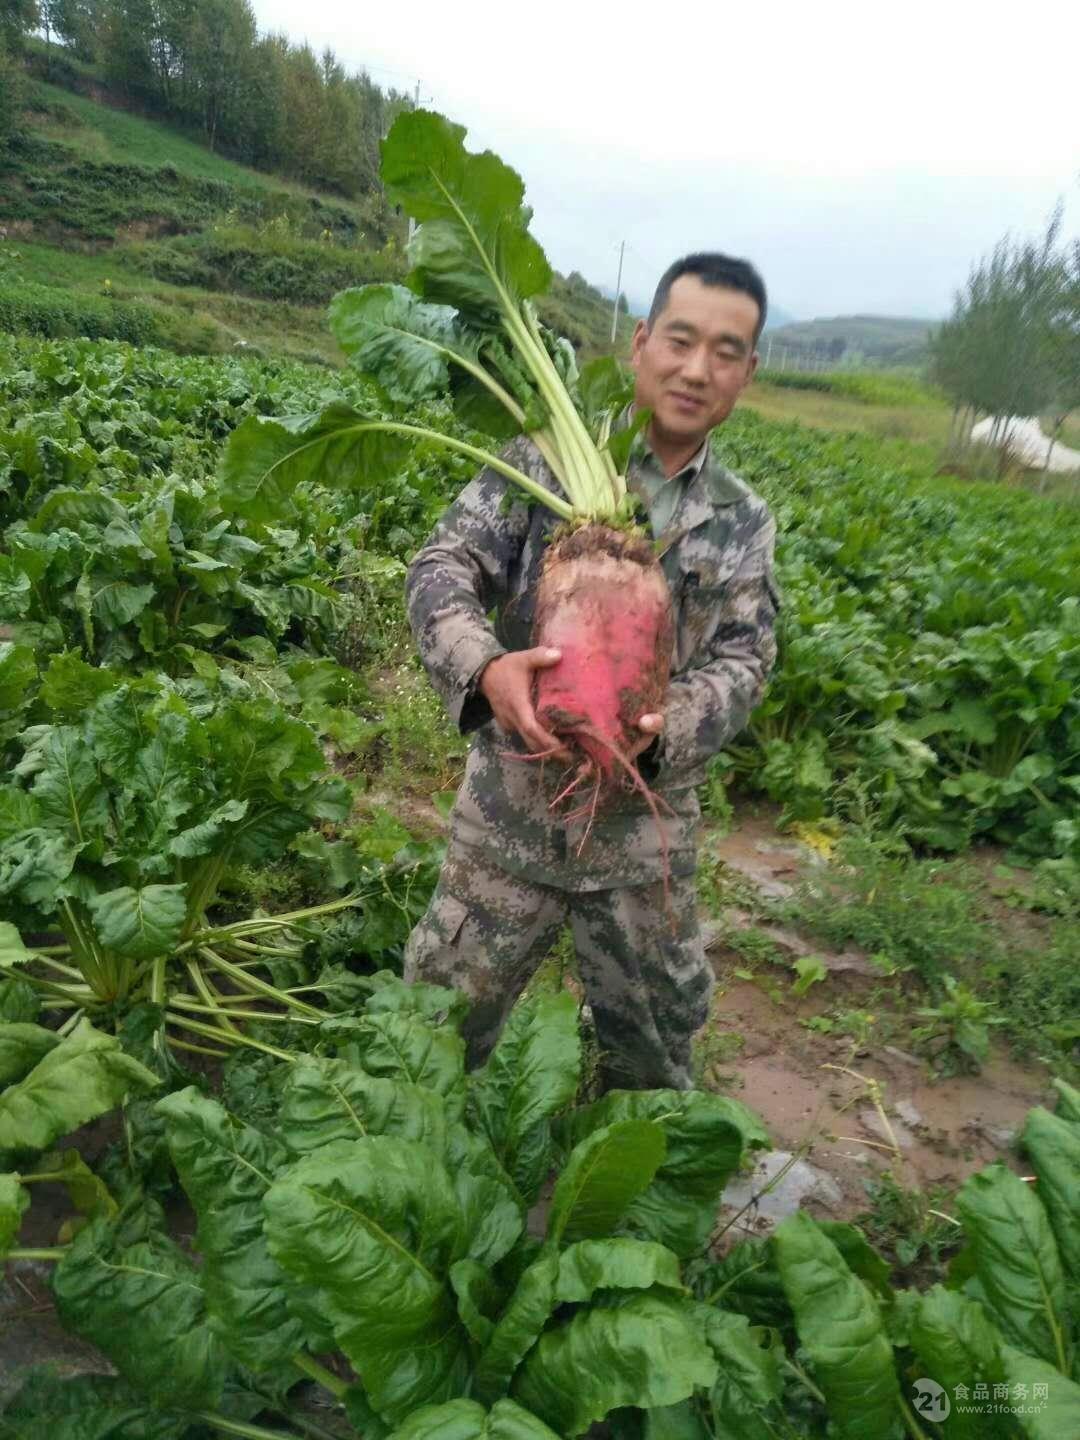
816,1092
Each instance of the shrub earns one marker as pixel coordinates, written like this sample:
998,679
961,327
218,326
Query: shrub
31,309
11,94
266,264
868,387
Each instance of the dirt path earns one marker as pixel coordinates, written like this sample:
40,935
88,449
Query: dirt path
944,1128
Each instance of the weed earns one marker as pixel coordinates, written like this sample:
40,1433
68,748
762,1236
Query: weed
1037,994
715,803
809,970
911,1228
957,1037
419,748
857,1025
721,888
910,914
755,947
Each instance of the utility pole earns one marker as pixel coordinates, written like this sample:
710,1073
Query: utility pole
618,288
416,106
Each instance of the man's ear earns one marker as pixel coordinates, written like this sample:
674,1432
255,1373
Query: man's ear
637,341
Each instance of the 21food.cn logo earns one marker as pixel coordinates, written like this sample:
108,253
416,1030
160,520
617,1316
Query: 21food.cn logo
931,1401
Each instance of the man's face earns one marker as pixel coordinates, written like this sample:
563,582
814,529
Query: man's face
697,358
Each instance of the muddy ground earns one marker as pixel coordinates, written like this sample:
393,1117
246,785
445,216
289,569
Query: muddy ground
816,1092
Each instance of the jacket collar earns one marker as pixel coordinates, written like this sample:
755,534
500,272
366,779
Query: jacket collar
707,482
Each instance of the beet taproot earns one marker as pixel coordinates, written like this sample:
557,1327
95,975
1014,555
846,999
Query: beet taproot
604,602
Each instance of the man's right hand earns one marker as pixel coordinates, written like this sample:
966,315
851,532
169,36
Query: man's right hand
506,683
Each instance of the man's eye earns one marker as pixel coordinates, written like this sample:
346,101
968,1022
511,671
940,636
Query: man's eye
678,343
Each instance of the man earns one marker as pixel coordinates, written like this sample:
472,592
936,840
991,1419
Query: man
513,876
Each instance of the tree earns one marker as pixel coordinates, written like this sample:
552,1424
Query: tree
992,355
11,93
1063,350
17,18
219,51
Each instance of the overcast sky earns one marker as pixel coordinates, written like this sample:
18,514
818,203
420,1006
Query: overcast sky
862,155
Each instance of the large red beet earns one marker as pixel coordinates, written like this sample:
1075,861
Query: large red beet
604,602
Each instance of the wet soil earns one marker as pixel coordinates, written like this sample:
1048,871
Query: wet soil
815,1092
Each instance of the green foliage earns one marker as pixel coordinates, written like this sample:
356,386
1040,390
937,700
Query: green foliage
41,310
246,261
532,1074
465,1420
11,94
1018,1274
923,655
138,1298
1036,989
368,1214
997,352
227,1168
910,914
871,387
124,823
705,1136
83,1076
902,1225
958,1033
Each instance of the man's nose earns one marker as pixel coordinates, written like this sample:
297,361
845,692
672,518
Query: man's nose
694,368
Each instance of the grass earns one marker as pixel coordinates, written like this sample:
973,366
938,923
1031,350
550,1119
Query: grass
893,406
273,326
420,750
910,914
93,194
933,919
105,135
869,387
909,1228
926,423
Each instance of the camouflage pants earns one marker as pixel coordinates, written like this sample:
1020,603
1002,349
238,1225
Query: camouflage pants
646,979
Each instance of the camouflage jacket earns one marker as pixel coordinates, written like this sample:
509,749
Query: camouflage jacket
485,556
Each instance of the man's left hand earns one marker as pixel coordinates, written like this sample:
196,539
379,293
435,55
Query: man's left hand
651,726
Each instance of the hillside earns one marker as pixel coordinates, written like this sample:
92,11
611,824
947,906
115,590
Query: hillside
879,339
112,225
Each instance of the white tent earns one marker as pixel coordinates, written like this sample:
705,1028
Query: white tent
1026,440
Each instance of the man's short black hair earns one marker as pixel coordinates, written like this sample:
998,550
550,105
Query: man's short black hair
712,268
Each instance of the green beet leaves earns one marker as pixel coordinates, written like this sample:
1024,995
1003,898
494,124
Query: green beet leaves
142,1304
226,1169
1017,1264
958,1345
84,1076
647,1351
373,1225
531,1076
1054,1145
13,1202
705,1137
841,1329
474,238
604,1174
465,1420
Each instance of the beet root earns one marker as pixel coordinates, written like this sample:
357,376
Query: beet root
604,603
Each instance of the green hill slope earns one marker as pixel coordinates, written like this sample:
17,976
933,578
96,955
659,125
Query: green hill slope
880,339
114,225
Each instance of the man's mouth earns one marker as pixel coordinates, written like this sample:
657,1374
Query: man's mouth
687,402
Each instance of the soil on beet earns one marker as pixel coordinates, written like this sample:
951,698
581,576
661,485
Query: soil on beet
604,603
